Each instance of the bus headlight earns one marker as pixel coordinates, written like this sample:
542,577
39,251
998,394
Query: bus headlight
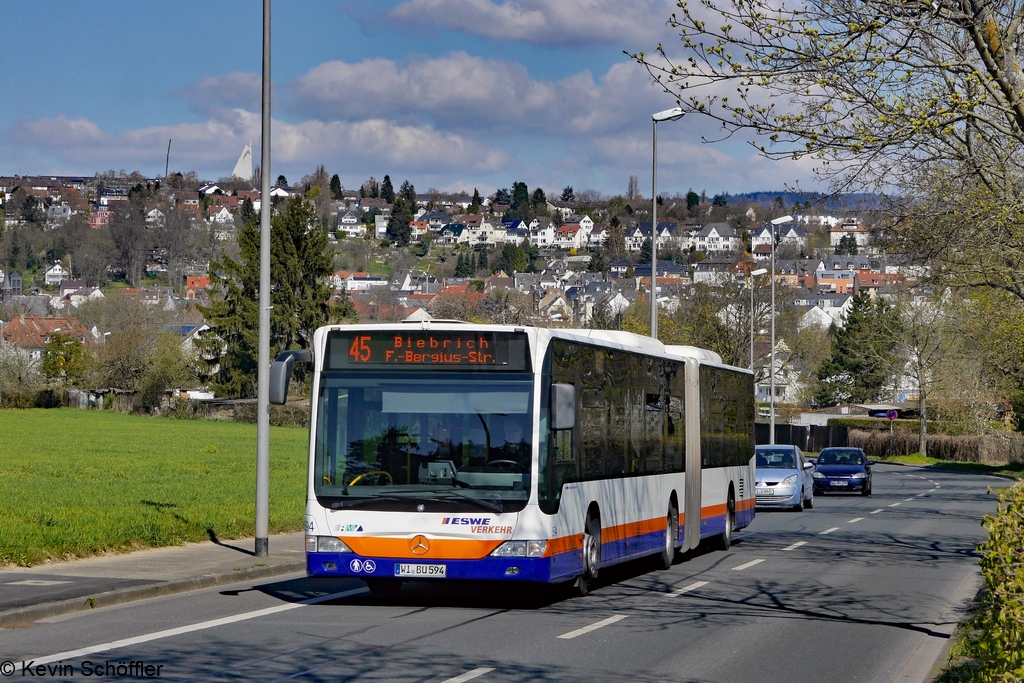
521,549
330,544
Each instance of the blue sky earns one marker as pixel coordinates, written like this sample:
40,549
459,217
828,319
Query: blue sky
451,94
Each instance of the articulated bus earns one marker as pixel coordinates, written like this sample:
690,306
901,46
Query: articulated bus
493,452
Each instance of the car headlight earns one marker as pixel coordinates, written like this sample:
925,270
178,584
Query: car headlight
858,475
521,549
330,544
819,475
790,480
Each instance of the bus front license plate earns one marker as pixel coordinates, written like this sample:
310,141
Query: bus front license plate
421,571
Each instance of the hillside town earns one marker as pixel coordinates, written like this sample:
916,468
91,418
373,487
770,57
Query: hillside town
70,245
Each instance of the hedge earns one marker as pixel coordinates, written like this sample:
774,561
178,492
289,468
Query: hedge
1001,449
999,646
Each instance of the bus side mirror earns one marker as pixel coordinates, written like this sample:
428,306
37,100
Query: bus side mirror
563,406
281,374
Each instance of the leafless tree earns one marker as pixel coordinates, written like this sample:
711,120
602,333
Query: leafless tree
131,239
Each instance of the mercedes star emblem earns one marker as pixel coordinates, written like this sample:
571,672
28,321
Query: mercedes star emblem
419,545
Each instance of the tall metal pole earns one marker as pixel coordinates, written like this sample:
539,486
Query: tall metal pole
654,235
750,283
263,373
771,384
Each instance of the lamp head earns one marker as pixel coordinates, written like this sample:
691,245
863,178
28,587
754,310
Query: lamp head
759,271
782,219
668,115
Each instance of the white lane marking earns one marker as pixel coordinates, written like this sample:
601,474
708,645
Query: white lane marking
906,499
921,495
213,623
593,627
828,531
747,565
854,520
875,512
34,582
892,505
469,675
686,589
796,545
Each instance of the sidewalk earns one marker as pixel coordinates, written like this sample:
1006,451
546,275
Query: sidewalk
32,593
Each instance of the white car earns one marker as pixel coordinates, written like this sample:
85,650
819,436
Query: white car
784,478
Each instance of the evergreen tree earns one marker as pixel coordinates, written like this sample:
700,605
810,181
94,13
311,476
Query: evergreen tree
513,260
398,224
300,265
520,195
857,369
503,196
645,251
336,189
475,206
281,181
538,200
387,190
692,200
567,194
597,263
409,192
460,267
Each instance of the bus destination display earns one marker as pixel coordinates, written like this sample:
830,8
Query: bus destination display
424,349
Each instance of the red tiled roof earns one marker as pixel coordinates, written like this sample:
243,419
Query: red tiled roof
33,331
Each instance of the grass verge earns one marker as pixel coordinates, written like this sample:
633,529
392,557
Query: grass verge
82,482
1013,469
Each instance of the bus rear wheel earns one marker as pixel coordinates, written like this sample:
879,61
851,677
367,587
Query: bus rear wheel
725,540
668,553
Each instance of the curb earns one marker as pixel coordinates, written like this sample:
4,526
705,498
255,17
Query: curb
120,596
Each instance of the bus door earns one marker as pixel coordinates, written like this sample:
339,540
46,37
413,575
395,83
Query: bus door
692,501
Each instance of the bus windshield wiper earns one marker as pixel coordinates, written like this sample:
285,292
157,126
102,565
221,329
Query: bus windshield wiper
485,504
436,497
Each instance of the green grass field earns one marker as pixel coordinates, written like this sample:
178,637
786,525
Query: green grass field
78,482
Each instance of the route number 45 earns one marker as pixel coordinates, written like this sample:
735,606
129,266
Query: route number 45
360,349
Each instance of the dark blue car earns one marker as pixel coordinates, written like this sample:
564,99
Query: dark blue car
843,469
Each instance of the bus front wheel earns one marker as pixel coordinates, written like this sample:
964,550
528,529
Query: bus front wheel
591,554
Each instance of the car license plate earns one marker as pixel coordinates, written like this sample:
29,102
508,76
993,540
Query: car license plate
764,492
421,571
840,483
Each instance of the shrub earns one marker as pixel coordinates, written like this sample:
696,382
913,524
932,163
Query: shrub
999,648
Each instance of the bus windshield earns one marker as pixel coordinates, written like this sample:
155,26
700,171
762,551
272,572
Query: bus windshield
436,442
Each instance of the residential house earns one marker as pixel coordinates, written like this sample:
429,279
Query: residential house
453,233
836,281
33,333
714,270
220,214
860,233
54,275
99,217
717,238
542,232
349,222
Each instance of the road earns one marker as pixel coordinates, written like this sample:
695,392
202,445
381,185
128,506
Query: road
857,589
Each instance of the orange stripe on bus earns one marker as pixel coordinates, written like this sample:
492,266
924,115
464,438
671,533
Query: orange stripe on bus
439,548
566,544
746,503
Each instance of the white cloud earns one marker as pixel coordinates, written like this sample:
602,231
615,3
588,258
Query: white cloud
640,23
214,144
463,92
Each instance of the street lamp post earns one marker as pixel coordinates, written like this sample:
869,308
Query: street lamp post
750,284
771,384
673,114
262,548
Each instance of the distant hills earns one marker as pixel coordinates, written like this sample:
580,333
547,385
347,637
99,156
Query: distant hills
864,201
